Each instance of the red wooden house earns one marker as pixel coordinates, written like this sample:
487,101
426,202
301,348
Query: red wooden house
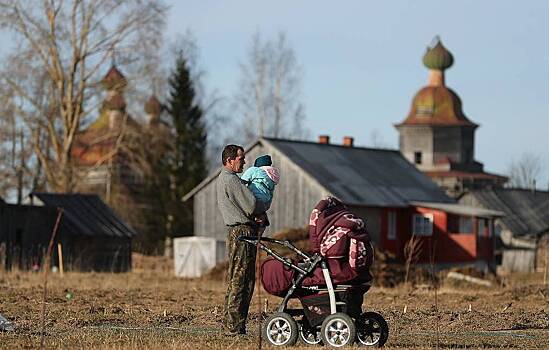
448,234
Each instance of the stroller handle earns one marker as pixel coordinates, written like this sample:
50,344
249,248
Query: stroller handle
312,261
285,243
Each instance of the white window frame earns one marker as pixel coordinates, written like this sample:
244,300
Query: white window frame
391,225
422,224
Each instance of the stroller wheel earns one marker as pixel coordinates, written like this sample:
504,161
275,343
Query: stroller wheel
338,330
280,329
372,330
309,335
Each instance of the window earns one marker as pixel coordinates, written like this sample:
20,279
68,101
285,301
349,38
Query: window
480,227
417,157
498,230
391,227
484,228
460,224
465,224
423,224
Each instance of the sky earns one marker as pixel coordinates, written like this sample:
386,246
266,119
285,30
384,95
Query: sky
362,63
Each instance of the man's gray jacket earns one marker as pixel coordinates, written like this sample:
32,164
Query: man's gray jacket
236,202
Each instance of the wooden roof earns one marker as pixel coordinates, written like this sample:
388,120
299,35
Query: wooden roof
85,214
526,211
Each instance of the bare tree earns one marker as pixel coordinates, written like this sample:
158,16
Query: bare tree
18,169
8,143
54,69
269,92
524,171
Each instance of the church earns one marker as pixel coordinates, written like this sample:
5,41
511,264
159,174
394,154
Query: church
438,138
110,151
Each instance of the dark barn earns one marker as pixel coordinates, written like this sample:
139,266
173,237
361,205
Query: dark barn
91,236
24,234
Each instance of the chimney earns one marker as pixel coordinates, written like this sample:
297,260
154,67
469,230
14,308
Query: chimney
348,141
324,139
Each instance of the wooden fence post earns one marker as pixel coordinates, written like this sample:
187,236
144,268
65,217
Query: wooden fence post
60,256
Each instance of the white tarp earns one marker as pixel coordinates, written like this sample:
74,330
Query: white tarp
194,256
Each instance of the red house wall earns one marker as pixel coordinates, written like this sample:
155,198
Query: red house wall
443,246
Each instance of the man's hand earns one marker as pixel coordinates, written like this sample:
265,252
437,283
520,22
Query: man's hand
262,219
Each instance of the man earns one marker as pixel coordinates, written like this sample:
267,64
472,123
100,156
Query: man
237,205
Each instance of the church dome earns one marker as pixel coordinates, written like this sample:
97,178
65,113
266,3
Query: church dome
114,79
438,57
153,106
436,105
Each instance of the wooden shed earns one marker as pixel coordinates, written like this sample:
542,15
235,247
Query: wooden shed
522,233
24,234
91,235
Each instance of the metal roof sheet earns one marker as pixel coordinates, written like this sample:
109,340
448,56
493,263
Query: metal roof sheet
460,209
526,211
86,214
362,176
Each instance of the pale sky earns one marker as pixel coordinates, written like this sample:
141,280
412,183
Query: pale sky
362,63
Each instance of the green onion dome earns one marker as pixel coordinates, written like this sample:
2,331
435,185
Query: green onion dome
438,57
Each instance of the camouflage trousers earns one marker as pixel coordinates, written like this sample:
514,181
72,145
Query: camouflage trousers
240,278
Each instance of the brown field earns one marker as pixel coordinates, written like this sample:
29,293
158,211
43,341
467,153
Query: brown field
151,309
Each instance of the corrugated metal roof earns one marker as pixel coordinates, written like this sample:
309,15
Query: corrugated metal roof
86,214
526,211
362,176
460,209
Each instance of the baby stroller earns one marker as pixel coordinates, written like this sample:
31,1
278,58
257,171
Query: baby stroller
329,287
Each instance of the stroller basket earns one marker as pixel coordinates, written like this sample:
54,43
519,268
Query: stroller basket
348,300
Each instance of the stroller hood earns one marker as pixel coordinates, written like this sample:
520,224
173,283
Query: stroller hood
330,221
339,235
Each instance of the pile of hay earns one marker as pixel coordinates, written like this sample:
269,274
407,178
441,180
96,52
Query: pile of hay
154,264
387,272
298,236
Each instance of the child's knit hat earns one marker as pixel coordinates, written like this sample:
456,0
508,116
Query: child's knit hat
263,161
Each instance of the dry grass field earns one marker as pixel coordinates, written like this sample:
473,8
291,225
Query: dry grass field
151,309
